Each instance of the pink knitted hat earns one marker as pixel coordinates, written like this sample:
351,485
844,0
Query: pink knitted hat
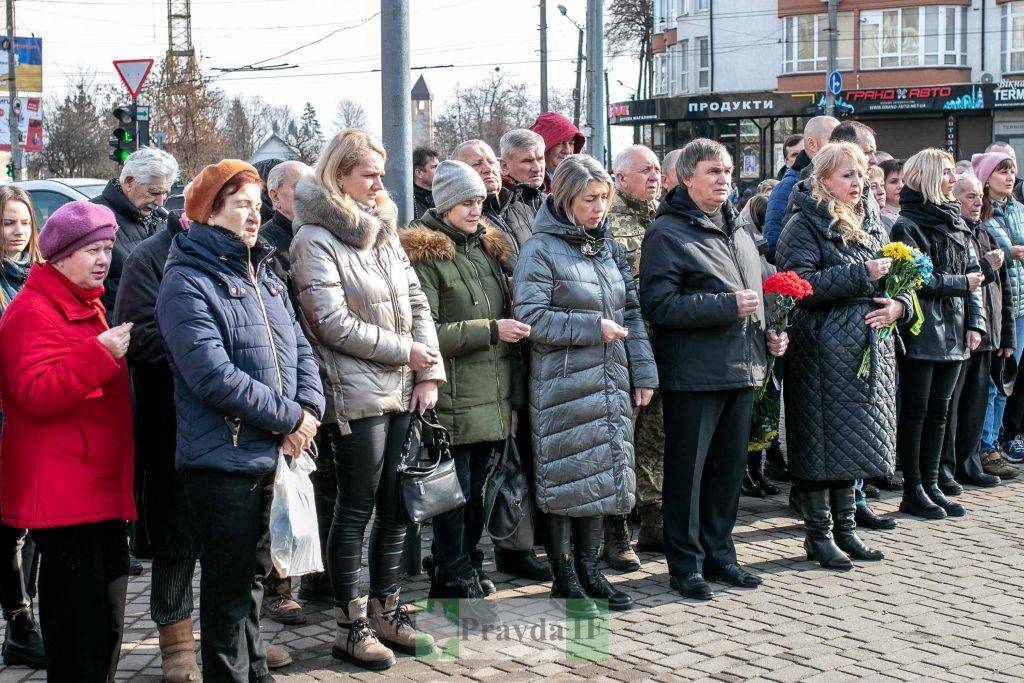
73,226
985,164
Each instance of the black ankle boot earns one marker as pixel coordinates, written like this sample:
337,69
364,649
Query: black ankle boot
476,558
522,564
866,517
774,464
23,644
917,503
755,470
844,526
938,497
588,534
818,543
749,488
565,585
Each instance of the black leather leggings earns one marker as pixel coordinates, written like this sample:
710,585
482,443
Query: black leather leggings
565,533
366,467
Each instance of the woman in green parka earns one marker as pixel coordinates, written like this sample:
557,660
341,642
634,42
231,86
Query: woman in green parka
457,257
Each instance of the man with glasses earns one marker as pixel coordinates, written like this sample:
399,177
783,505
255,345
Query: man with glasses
136,197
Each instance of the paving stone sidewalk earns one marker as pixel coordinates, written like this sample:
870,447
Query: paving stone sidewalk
946,604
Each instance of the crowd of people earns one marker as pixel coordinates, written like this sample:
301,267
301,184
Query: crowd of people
613,328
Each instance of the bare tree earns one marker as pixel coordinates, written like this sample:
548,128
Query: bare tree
349,114
76,132
488,110
629,30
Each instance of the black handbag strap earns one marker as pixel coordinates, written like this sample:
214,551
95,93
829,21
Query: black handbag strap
439,444
497,478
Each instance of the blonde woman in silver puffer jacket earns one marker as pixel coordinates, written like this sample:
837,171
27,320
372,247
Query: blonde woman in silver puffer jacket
371,328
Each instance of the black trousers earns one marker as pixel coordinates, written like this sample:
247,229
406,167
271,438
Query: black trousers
705,457
966,414
366,468
14,570
83,582
1013,415
457,532
926,389
232,527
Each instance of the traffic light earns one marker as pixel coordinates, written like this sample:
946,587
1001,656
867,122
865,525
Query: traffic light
10,170
124,139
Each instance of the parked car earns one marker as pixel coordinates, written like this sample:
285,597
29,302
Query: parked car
50,194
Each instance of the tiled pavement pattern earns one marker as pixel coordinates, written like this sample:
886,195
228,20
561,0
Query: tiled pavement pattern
947,604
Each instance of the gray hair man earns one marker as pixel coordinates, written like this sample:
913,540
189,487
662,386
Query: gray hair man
669,180
501,209
637,188
136,197
700,290
278,230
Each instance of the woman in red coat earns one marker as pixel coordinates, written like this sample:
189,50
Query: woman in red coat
66,449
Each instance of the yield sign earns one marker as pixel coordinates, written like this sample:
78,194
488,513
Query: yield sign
133,73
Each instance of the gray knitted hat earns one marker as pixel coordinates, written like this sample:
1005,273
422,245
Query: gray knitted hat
454,183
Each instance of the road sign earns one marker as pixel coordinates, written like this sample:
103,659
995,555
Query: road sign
835,83
133,73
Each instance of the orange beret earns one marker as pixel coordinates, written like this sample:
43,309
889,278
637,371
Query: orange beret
204,187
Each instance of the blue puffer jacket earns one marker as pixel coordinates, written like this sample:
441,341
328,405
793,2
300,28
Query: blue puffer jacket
1007,227
778,200
242,368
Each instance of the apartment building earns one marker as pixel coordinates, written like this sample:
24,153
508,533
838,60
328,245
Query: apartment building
946,73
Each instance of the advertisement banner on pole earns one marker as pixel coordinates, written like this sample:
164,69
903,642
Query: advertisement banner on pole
28,55
30,124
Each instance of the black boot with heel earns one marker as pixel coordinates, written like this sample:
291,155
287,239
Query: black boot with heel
588,534
844,526
819,544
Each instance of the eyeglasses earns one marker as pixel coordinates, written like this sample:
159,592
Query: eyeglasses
158,191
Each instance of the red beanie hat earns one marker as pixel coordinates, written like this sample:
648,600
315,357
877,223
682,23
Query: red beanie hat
204,187
556,129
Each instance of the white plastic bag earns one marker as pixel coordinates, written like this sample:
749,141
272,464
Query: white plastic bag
294,533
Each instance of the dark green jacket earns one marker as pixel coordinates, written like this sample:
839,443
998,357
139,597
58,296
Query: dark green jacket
468,293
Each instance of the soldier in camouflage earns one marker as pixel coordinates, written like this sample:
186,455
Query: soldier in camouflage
637,187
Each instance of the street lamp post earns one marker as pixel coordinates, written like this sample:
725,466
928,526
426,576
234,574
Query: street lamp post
577,94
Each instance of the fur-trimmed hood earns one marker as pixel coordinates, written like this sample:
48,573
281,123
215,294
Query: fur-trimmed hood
314,205
423,241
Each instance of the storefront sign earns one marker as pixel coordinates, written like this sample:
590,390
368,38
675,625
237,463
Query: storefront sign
951,134
924,98
1008,94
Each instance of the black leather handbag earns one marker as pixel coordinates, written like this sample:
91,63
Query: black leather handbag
428,484
508,506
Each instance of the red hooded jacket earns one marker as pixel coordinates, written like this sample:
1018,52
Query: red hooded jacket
556,129
66,452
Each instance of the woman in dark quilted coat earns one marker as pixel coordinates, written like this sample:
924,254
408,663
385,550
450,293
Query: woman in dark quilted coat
838,427
591,366
246,388
954,321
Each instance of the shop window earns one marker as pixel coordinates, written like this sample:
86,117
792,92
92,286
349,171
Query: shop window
806,38
935,35
1013,36
703,64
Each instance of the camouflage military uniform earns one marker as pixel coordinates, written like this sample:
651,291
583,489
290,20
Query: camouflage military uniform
628,219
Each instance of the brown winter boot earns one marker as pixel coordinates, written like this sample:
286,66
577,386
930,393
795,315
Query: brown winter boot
178,652
617,551
392,624
356,642
649,540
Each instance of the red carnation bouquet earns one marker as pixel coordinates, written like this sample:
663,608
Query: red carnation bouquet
790,288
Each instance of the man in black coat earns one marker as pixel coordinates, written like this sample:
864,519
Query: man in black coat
700,289
522,174
136,197
424,163
280,186
162,505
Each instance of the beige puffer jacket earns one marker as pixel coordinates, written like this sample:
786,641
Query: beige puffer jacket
361,306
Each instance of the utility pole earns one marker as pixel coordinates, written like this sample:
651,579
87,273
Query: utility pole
596,109
543,56
395,98
13,104
833,47
577,93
